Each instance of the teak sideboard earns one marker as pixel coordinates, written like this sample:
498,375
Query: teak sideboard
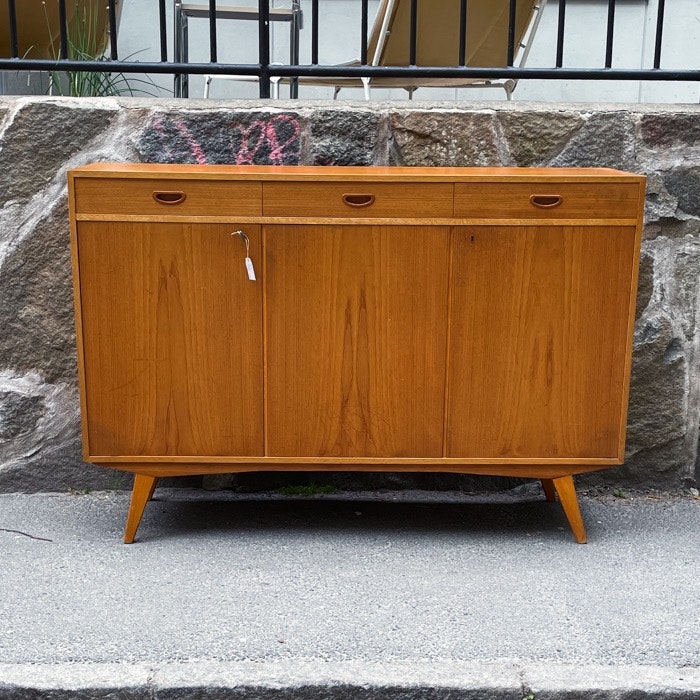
240,318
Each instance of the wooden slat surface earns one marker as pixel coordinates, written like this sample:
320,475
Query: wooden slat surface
270,173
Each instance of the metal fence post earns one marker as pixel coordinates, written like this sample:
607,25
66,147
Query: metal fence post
264,47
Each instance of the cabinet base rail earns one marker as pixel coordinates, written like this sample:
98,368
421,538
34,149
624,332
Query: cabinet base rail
561,486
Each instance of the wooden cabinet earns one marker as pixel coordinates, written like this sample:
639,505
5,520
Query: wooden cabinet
425,319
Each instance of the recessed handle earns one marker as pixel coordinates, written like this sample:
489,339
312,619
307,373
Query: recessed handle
546,201
165,197
358,200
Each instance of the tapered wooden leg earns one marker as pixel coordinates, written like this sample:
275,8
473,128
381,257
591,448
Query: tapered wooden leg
549,490
567,495
144,486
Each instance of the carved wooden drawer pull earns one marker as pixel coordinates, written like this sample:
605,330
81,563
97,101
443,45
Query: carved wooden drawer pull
169,197
358,200
546,201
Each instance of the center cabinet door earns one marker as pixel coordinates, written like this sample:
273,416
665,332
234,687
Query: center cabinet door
356,332
172,339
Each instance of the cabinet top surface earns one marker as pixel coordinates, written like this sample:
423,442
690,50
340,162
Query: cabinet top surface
351,173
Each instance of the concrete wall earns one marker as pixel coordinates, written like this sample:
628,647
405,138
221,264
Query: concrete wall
40,138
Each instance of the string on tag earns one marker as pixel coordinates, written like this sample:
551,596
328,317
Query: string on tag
248,262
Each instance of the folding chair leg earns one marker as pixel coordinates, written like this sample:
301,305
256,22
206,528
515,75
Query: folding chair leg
336,92
509,86
275,82
365,83
207,83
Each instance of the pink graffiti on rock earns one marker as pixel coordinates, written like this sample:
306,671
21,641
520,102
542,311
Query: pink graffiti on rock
197,151
264,134
270,140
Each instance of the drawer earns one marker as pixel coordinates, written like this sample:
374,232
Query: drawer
545,200
358,199
167,197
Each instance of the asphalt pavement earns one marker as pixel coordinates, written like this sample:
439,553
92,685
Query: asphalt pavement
371,595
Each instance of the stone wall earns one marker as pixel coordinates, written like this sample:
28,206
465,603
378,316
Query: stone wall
40,138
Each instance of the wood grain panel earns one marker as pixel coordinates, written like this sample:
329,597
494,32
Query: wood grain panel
309,199
356,330
135,196
359,173
172,339
484,200
539,341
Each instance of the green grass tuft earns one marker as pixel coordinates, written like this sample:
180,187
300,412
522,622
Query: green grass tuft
311,489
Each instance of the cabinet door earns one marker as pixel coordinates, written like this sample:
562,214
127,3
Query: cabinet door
356,329
172,339
539,344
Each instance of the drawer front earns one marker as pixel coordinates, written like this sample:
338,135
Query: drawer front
358,199
168,198
543,200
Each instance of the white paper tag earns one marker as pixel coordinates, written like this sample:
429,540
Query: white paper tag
250,268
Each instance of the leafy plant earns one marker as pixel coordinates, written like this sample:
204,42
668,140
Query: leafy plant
86,35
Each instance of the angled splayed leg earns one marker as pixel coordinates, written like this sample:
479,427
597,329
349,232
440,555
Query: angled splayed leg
566,490
144,486
549,491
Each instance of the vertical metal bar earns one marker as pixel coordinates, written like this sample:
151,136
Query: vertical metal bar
413,36
212,31
463,33
611,30
264,47
14,44
560,33
178,36
363,30
511,33
314,32
659,34
63,24
295,26
163,32
185,54
112,8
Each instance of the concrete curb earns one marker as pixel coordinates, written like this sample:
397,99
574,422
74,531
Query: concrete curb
349,680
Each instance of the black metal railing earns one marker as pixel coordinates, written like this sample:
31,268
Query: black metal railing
264,70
